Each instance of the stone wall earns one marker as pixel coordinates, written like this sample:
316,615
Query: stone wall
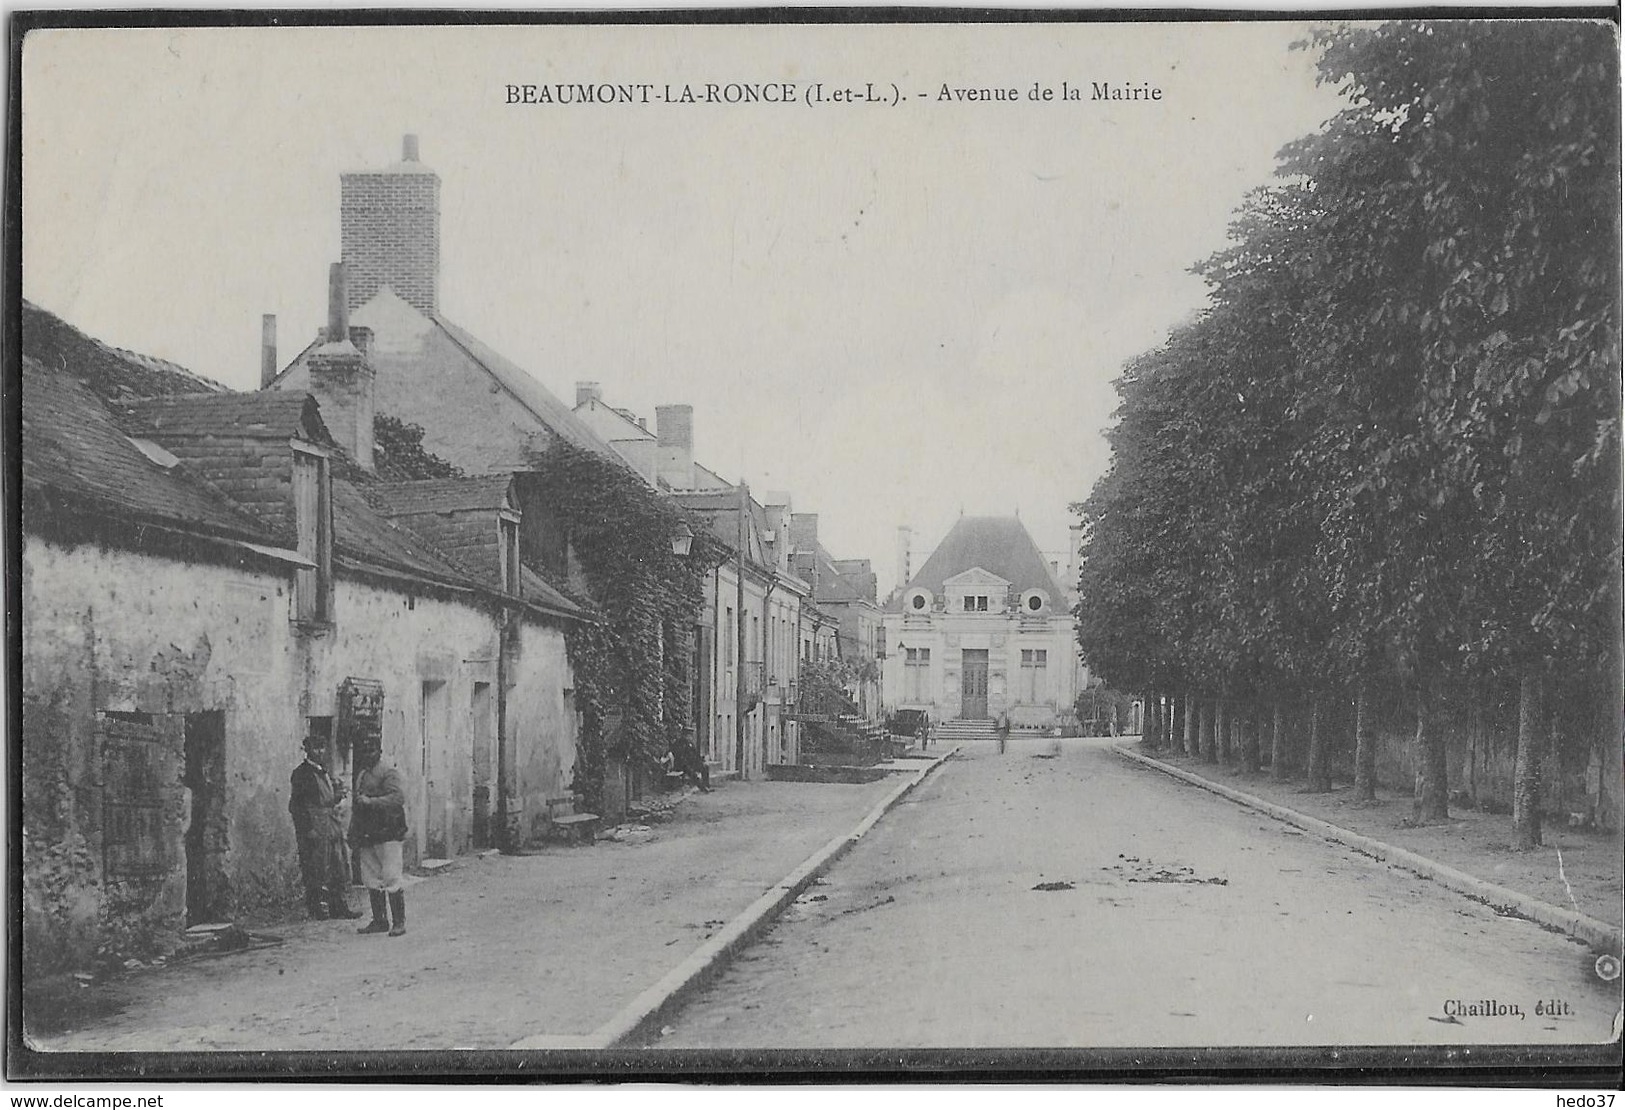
155,649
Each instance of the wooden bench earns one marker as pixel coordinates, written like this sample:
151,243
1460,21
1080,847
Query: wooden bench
563,818
578,827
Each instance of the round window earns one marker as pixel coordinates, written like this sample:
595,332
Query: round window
918,602
1035,603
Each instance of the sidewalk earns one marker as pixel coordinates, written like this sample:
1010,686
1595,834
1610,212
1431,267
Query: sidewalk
1574,869
499,949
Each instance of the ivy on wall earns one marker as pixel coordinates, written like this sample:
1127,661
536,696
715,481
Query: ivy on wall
632,671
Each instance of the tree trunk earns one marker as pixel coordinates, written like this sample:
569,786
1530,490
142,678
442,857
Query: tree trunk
1249,742
1320,772
1151,727
1432,800
1221,731
1526,773
1610,743
1365,746
1205,732
1279,760
1190,726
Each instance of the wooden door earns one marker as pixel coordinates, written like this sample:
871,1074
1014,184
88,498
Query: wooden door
973,685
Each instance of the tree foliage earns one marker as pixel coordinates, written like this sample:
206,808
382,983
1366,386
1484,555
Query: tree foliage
1388,450
631,669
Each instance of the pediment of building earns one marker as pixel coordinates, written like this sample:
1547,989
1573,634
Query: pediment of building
976,576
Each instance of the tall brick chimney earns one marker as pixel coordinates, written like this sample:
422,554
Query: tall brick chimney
674,431
389,230
905,554
341,379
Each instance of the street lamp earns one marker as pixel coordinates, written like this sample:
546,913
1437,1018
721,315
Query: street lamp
682,539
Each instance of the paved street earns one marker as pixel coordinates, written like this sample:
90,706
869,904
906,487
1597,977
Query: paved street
1057,895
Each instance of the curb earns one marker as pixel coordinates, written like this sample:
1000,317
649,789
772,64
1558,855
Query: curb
639,1016
1600,935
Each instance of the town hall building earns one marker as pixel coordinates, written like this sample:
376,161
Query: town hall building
983,630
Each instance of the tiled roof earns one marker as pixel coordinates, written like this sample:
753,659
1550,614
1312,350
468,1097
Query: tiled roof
406,503
72,445
531,393
112,374
441,495
537,590
368,538
999,544
273,415
720,513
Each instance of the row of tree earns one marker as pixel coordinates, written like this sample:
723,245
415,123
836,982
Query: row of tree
1383,465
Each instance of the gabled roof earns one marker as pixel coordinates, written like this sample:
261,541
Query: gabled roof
835,581
706,478
538,591
531,393
629,428
71,445
1000,545
113,374
488,492
387,308
719,511
74,449
417,508
368,540
251,415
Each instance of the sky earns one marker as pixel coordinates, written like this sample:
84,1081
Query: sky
895,312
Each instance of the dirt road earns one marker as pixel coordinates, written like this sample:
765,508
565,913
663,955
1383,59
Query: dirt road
499,949
1057,895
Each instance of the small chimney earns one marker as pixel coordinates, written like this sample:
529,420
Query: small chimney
674,435
267,349
588,392
340,377
338,305
409,148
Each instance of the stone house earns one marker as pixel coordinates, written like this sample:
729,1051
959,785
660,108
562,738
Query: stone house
983,629
749,650
205,580
480,411
744,700
846,590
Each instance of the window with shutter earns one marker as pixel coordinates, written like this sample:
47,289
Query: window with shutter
313,523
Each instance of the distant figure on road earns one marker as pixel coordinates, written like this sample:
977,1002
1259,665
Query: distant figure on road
1004,731
314,796
685,757
377,829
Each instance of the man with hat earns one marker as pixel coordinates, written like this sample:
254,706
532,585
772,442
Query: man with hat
313,802
378,830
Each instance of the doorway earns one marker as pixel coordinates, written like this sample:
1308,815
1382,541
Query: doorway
208,892
432,838
973,684
482,721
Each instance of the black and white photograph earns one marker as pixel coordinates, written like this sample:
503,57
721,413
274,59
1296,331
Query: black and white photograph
718,544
